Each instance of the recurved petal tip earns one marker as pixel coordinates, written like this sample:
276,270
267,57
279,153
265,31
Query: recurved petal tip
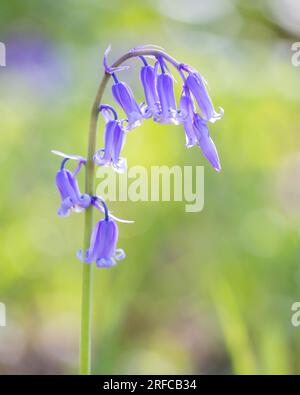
105,263
217,115
121,166
218,168
99,158
120,254
79,255
83,257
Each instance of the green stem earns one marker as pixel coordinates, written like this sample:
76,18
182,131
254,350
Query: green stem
86,305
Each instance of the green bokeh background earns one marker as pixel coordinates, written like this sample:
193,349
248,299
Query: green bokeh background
207,292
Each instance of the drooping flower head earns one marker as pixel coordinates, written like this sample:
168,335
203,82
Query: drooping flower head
103,244
197,85
67,185
125,98
148,80
158,85
165,89
114,139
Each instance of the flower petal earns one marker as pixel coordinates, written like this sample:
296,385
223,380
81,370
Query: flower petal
73,157
120,254
165,90
125,98
197,85
148,79
187,108
105,263
206,143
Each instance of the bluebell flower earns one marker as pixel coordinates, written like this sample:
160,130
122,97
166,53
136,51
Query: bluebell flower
168,112
124,97
103,242
205,142
196,130
197,85
148,80
188,111
67,185
114,139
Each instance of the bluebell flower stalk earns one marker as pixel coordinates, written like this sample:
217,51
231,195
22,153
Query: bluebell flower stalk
100,241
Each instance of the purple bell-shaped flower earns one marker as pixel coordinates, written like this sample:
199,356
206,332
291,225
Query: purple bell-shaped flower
103,244
67,185
114,139
124,97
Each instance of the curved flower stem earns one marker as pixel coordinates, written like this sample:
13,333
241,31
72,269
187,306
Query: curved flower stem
86,306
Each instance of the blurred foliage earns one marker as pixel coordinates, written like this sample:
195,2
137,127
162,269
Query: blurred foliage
209,292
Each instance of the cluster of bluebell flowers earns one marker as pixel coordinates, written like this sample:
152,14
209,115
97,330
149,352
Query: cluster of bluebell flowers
194,112
160,105
103,250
